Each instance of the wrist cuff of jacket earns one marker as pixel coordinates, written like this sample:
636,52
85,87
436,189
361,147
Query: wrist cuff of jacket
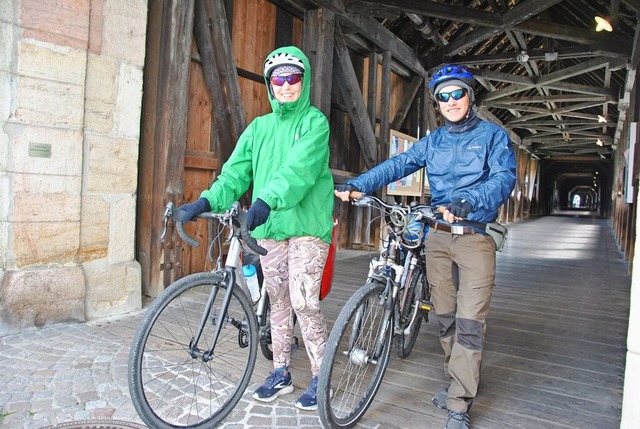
271,202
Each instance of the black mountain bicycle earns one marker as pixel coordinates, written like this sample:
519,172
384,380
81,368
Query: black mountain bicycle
390,306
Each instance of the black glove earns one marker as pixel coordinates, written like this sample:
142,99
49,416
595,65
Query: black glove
257,214
460,208
186,212
345,187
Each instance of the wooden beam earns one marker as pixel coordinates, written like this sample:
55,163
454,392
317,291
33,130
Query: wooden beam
560,98
429,121
535,55
635,54
173,84
319,30
504,77
407,99
221,135
385,106
549,79
284,28
221,77
372,89
164,132
376,33
485,114
552,123
428,9
487,24
353,98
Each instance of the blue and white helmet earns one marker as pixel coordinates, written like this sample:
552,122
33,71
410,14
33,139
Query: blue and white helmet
281,59
452,74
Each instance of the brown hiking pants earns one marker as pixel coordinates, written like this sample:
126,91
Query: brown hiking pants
462,306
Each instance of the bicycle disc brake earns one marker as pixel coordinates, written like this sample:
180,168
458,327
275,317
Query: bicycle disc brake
243,338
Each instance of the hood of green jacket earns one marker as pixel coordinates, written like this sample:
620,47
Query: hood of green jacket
302,103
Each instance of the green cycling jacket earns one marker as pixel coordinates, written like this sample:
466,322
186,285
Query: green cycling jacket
286,155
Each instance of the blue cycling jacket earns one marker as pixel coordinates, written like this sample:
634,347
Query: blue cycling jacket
477,165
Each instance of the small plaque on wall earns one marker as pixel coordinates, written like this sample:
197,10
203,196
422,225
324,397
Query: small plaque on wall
40,150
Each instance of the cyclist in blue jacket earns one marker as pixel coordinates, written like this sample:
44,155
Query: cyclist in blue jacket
471,170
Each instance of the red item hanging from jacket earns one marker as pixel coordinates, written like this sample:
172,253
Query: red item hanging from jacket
327,274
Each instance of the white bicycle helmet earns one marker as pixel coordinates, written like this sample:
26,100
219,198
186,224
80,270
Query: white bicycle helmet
281,59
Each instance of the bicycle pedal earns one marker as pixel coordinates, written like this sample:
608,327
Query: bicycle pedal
426,305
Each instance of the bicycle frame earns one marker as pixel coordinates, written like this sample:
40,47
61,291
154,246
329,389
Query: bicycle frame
381,269
232,274
388,309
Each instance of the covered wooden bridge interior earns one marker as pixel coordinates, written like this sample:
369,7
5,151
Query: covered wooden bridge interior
565,92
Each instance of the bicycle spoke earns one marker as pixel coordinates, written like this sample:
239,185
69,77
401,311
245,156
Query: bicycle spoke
171,386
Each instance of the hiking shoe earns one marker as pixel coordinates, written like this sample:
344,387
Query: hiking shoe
458,421
309,399
276,384
440,399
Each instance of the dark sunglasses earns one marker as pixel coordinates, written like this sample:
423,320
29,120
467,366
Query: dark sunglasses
455,94
292,79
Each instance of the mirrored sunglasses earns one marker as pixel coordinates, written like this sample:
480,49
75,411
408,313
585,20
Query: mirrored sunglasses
455,94
292,79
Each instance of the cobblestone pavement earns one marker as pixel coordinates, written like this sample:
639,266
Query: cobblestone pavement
78,372
72,372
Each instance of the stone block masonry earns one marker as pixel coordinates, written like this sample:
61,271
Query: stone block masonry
70,104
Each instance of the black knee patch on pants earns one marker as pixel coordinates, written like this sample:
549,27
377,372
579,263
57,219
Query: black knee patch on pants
447,323
470,333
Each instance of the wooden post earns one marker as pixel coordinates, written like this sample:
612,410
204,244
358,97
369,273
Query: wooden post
164,132
319,30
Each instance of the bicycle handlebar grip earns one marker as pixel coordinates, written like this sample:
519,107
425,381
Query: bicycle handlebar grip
183,234
246,235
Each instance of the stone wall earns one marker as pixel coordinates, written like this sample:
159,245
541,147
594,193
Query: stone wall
70,104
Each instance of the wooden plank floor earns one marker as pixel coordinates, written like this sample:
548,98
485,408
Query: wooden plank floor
555,348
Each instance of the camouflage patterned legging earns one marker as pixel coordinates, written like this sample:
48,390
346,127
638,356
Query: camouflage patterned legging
292,274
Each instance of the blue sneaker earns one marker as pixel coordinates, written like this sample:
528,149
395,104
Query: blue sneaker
309,400
276,384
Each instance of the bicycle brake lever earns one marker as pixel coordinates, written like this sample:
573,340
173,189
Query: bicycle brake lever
168,212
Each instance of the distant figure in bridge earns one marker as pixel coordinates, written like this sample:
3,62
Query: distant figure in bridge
471,170
286,155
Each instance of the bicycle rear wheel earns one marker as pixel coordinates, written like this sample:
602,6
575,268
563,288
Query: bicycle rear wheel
409,318
351,372
169,386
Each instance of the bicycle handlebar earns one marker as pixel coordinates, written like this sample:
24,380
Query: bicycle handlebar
246,235
361,200
237,217
186,237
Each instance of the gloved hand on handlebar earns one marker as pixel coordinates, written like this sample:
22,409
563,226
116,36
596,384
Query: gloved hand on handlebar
460,208
343,191
257,214
187,212
345,187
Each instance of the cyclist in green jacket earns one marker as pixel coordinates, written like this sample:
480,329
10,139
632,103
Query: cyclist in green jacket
286,155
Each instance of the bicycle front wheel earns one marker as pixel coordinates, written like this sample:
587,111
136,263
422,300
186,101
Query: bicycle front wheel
356,357
173,381
409,317
265,331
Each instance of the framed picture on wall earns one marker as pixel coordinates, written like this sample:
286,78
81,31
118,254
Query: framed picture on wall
412,184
